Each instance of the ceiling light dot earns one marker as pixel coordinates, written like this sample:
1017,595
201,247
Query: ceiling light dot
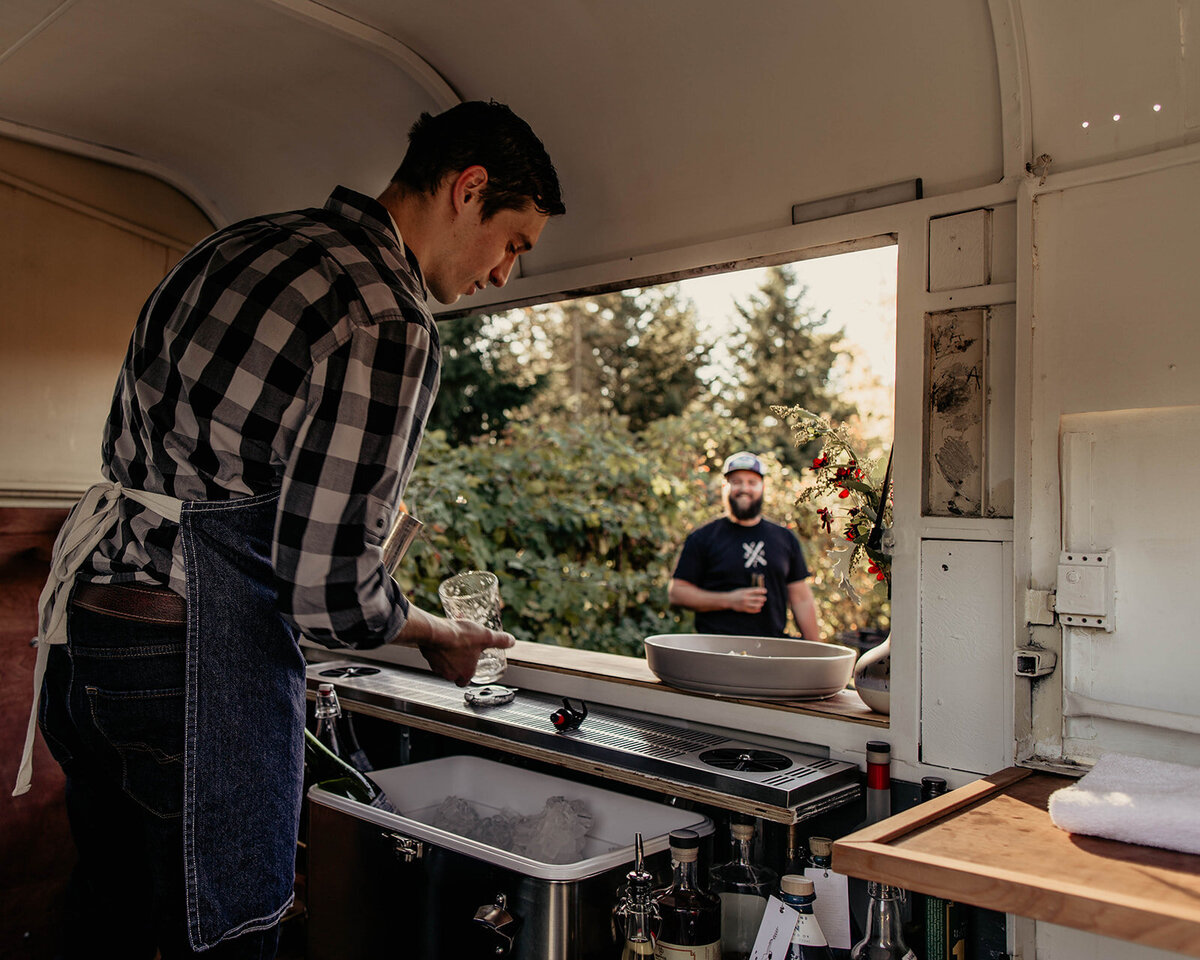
1085,124
1116,116
1157,107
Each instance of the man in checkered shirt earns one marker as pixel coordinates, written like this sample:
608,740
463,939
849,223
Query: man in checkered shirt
264,426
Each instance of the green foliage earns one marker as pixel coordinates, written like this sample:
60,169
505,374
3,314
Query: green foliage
479,389
583,523
635,353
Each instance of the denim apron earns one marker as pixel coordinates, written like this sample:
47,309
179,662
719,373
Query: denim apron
244,730
244,724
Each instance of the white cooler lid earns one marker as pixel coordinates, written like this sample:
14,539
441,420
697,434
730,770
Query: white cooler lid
494,787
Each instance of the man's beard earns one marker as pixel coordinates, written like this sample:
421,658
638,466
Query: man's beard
749,511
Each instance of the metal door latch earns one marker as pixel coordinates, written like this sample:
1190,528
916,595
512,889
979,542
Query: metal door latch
1085,592
1033,662
406,849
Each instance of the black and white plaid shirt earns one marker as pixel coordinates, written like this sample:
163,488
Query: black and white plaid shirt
295,353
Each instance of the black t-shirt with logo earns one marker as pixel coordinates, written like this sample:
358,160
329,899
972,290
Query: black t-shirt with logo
722,555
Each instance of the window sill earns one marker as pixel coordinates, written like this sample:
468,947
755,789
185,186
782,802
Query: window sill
542,667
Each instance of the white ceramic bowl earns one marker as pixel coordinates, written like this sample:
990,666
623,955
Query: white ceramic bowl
763,668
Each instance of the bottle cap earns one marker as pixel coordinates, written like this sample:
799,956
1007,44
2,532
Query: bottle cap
741,831
685,840
820,846
932,787
879,752
796,886
685,845
327,702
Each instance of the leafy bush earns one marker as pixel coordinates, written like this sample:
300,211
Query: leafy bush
583,522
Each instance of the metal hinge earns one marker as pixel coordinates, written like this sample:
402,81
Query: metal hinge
1039,606
1084,594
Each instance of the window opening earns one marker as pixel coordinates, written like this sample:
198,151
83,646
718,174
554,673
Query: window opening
575,444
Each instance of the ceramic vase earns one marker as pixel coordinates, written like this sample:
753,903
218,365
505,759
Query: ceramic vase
872,674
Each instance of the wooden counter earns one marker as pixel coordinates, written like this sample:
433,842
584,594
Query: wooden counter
992,844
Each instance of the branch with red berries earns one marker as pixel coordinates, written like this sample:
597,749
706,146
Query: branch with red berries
854,489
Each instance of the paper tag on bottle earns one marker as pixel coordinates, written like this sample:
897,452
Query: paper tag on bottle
704,951
775,931
832,906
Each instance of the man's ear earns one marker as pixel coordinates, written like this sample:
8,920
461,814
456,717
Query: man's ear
466,186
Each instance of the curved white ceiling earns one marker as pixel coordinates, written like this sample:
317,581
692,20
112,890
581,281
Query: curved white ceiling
671,122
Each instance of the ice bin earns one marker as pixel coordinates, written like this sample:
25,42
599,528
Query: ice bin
381,884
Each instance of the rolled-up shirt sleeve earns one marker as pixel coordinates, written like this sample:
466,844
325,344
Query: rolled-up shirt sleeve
369,397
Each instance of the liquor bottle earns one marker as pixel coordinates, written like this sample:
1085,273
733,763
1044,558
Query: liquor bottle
885,936
332,774
821,860
689,916
943,922
879,781
743,887
879,807
327,710
808,942
336,730
638,909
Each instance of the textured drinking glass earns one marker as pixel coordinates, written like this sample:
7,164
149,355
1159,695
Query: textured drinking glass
475,595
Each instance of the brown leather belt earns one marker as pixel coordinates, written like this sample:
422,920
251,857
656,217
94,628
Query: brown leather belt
132,601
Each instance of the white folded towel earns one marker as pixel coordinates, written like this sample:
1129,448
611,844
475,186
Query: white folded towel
1135,800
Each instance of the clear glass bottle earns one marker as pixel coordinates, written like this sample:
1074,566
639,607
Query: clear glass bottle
335,729
327,709
795,856
689,916
638,909
743,887
808,942
885,935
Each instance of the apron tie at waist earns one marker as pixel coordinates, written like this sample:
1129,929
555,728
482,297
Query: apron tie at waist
88,523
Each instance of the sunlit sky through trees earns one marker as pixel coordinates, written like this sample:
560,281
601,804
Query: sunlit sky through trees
859,291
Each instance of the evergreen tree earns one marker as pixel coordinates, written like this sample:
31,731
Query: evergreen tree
636,353
481,385
782,356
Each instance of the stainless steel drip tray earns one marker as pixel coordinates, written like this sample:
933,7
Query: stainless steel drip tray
638,743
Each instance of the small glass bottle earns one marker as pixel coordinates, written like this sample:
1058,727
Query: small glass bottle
335,729
808,942
743,887
638,909
327,709
794,858
689,916
885,936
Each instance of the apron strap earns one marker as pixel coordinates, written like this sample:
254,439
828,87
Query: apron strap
88,523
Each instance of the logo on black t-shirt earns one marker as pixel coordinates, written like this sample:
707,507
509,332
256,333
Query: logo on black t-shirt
756,554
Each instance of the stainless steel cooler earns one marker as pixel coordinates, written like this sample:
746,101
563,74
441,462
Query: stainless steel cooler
387,885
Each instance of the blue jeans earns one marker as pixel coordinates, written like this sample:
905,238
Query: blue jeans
113,715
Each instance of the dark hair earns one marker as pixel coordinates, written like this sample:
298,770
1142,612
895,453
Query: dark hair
491,135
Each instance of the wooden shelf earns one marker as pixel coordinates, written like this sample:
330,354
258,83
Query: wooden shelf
992,844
